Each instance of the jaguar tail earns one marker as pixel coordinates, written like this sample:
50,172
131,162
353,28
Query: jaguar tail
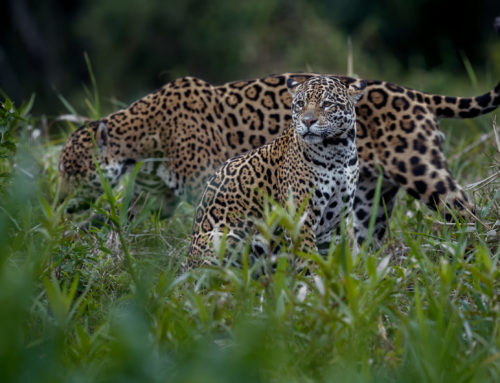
464,107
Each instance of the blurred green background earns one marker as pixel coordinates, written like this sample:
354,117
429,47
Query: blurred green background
136,46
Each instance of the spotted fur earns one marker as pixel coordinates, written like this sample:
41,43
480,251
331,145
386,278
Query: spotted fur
314,161
190,127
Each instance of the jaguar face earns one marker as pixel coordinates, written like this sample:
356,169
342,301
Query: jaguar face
78,163
323,106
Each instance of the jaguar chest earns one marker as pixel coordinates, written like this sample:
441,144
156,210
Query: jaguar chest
335,182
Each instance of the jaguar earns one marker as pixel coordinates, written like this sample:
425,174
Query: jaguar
314,163
185,130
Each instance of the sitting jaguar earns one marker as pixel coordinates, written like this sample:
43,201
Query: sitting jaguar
314,162
185,130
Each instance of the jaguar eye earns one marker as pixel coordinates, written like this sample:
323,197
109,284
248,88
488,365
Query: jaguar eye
327,104
299,104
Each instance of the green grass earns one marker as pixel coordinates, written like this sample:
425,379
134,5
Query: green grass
114,303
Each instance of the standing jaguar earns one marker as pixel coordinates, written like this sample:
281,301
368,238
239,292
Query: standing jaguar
314,161
185,130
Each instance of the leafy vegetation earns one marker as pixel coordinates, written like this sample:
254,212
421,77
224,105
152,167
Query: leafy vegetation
113,303
10,119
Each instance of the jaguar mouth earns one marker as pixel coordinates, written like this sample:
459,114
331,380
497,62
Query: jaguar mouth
312,138
310,134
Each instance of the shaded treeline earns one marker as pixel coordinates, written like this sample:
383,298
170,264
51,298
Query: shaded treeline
135,46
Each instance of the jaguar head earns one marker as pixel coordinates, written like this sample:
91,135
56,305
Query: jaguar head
323,107
87,150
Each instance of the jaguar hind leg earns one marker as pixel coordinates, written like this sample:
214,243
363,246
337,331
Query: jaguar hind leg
441,193
444,195
423,172
415,162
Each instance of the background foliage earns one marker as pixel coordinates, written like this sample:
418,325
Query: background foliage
137,45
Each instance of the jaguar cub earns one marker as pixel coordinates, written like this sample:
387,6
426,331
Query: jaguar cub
315,158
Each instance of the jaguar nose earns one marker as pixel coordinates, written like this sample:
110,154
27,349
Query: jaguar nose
309,120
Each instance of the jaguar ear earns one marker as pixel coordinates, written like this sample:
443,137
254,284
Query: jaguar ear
292,86
355,88
101,137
